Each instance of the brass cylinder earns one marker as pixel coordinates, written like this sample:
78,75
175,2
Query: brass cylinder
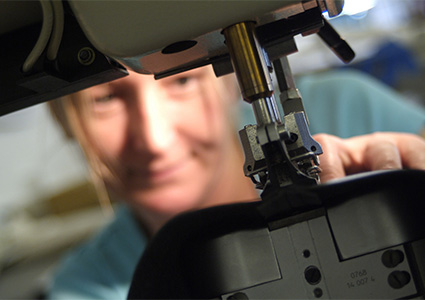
248,61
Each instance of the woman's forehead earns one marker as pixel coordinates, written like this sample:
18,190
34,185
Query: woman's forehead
104,87
202,71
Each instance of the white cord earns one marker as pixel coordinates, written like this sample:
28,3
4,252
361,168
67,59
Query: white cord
46,30
56,38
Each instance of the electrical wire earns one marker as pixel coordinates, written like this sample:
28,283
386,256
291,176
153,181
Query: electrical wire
46,30
57,32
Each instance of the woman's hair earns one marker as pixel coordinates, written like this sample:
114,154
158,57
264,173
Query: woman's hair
70,111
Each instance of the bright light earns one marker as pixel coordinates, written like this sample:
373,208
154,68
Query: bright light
353,7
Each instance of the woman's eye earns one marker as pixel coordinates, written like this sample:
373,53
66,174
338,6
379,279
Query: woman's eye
107,105
182,87
104,99
183,80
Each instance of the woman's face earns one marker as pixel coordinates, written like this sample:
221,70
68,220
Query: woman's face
165,140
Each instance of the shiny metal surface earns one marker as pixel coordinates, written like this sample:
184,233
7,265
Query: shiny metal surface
248,63
265,111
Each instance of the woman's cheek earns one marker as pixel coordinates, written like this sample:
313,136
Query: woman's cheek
109,137
205,120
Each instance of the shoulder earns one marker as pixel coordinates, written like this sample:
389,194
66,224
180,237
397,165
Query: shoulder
350,86
343,82
102,268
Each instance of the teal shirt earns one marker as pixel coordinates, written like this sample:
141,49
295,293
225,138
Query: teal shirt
103,267
348,103
343,103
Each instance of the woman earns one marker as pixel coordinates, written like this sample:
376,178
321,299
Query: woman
168,146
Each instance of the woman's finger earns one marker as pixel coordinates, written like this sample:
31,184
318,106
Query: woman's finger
378,151
331,162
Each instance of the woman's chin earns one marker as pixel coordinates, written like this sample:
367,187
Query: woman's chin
167,203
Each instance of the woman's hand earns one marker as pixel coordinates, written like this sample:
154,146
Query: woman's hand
377,151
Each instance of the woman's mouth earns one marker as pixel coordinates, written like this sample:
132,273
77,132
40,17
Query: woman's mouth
160,175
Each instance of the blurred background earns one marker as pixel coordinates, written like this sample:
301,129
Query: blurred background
47,204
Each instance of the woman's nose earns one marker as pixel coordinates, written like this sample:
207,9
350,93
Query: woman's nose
155,130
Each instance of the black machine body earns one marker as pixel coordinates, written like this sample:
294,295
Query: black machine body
364,239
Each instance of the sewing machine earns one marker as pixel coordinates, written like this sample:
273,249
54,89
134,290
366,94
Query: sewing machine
359,237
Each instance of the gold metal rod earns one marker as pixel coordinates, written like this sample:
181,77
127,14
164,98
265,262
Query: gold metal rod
248,61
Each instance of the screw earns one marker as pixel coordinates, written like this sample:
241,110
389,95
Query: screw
398,279
392,258
86,56
312,275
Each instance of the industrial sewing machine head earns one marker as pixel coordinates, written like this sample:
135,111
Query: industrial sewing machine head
251,38
303,241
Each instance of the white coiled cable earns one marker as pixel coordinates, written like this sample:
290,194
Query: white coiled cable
58,23
51,29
